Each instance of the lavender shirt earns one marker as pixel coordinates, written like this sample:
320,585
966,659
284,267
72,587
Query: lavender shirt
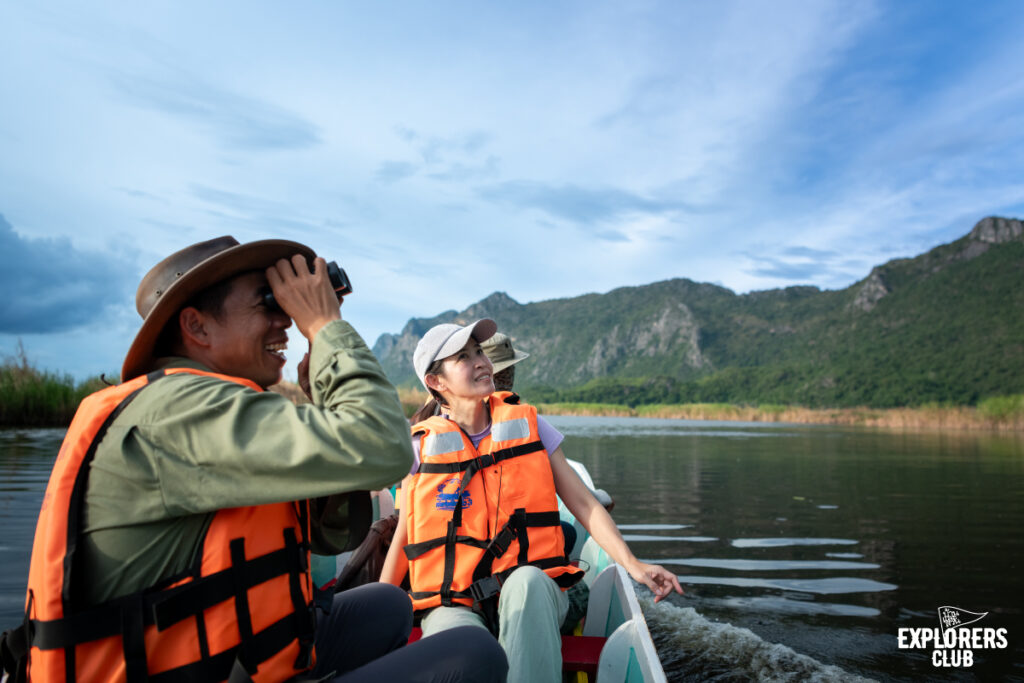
549,436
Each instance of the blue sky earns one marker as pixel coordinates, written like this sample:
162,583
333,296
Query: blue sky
443,151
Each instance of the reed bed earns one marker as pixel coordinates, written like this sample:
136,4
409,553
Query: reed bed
35,398
998,414
30,397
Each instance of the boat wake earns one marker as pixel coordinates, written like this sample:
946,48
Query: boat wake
693,648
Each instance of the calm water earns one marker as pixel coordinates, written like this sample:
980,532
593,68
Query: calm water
802,549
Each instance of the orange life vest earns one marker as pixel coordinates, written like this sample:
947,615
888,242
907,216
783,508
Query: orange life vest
476,514
244,608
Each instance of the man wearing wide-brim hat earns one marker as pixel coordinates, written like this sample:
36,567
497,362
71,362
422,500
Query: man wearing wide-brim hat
174,540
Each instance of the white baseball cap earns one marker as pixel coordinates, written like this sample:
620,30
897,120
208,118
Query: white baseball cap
443,340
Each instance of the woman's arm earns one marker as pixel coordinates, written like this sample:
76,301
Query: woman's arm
395,564
599,524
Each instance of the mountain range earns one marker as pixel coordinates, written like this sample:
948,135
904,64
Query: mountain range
943,327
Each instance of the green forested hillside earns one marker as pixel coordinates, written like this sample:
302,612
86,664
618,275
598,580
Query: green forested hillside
946,326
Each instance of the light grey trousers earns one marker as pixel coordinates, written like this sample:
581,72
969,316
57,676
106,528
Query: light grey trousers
531,608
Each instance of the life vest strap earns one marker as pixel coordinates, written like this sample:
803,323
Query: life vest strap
163,608
517,523
263,646
181,602
488,586
482,461
414,550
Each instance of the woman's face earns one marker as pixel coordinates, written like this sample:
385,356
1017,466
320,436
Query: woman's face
466,374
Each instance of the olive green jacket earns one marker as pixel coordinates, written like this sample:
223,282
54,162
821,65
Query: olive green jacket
190,445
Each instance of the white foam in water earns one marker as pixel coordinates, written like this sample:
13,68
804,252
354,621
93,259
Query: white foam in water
692,647
651,537
783,542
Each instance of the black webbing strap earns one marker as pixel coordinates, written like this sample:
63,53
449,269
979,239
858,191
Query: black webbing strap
241,594
515,529
450,537
415,550
83,627
489,586
524,536
175,604
482,461
262,647
304,660
163,608
133,641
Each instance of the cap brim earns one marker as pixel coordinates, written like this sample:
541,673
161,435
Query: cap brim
223,265
481,330
518,356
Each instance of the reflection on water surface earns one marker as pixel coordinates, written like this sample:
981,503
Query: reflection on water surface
806,548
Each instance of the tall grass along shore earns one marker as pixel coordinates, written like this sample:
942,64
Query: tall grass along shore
1005,413
35,398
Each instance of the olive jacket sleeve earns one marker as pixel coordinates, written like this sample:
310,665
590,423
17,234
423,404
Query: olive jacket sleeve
191,444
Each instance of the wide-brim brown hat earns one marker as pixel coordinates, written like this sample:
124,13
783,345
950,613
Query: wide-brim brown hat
501,352
169,285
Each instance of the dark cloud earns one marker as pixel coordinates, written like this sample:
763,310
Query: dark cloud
49,286
577,204
240,122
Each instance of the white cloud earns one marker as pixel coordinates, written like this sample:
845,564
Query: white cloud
546,150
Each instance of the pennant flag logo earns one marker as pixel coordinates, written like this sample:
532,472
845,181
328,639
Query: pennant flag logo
954,617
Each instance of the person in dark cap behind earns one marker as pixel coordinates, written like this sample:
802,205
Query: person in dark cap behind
503,357
174,538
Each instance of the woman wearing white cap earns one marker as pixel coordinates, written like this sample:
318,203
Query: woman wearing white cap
478,531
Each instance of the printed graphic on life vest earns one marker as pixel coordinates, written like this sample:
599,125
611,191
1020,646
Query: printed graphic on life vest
954,642
448,495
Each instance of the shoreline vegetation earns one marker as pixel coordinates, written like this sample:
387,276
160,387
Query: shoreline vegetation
37,398
34,398
1004,413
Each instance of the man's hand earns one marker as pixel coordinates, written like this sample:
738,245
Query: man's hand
307,297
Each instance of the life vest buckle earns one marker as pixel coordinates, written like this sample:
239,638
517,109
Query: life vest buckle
502,541
484,588
486,460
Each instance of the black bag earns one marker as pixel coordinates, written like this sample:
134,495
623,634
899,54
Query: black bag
367,561
14,653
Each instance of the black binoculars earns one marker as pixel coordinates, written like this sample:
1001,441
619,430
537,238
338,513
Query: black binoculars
336,274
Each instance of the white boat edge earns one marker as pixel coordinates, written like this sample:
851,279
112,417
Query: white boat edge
628,655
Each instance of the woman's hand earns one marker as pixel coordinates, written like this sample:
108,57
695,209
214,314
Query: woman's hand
306,297
660,580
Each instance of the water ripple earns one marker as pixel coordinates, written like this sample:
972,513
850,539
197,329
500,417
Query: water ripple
651,537
830,586
766,565
782,542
